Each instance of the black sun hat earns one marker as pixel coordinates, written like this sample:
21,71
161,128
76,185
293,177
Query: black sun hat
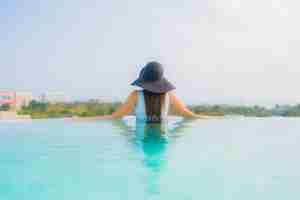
152,78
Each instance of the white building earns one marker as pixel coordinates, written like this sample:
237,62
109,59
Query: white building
53,97
23,99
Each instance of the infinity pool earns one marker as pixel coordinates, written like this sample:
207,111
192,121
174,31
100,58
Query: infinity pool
227,159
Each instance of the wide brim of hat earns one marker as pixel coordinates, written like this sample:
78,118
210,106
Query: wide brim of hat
160,86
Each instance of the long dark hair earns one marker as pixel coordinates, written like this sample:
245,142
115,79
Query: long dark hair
153,105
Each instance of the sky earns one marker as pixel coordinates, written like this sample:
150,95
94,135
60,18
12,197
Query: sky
214,51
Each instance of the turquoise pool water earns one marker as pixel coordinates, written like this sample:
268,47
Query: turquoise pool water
228,159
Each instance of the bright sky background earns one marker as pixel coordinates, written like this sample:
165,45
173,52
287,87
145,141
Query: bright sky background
214,51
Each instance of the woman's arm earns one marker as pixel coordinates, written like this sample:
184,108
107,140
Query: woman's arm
126,108
179,108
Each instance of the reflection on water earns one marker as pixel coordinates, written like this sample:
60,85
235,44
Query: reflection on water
154,145
153,140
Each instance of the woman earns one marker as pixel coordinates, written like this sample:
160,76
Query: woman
151,105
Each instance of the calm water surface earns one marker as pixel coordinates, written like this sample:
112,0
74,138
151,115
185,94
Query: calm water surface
228,159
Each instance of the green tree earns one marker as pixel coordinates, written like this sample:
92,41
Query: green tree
5,107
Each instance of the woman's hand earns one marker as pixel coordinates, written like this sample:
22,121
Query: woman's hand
209,116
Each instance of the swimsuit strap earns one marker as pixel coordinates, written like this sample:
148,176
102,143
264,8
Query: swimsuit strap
165,108
140,111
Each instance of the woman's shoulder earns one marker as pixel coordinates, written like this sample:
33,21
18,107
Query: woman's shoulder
134,94
171,94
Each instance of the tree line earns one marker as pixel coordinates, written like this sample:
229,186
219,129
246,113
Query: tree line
250,111
38,109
